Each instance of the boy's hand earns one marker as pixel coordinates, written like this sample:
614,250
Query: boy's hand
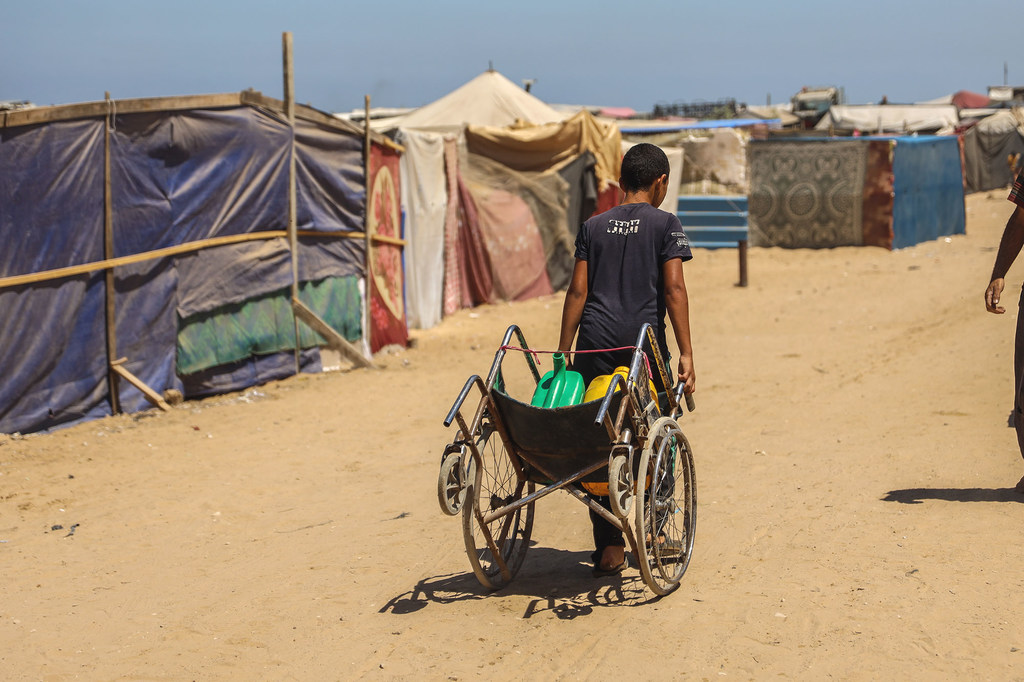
686,374
992,295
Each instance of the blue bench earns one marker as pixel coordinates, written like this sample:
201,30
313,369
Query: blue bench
716,222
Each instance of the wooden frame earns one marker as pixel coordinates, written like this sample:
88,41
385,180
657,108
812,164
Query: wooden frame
252,98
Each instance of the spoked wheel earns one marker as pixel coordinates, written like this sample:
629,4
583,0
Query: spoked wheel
666,506
494,484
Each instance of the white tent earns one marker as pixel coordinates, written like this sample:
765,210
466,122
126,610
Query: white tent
889,118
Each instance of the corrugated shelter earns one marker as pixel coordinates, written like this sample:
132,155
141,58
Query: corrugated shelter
158,230
823,193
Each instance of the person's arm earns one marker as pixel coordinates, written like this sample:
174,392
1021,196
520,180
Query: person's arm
572,309
1009,246
678,305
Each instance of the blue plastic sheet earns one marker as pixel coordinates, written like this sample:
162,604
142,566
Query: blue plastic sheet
176,177
52,339
929,190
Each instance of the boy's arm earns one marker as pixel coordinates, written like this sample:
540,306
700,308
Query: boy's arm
678,306
1009,246
572,309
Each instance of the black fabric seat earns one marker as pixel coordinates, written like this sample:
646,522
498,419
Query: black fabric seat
562,440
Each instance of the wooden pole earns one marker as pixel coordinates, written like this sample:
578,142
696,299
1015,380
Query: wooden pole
742,247
366,221
293,238
152,396
187,247
333,338
108,253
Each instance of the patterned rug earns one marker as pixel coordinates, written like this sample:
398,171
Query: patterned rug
806,194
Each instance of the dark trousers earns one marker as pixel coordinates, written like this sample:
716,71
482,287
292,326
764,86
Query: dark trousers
605,534
590,366
1018,376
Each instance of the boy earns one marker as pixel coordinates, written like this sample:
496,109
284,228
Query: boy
629,270
1009,247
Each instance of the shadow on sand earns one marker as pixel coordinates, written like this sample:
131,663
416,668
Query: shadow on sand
554,578
918,495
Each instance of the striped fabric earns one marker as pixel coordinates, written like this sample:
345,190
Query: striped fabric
1017,193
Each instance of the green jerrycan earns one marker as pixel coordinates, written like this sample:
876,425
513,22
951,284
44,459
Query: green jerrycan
560,387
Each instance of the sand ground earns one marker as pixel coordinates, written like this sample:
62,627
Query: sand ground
856,512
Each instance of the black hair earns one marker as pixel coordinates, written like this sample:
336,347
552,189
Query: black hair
641,166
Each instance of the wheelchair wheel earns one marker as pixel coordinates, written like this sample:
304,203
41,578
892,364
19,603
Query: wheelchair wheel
620,486
453,479
493,485
666,506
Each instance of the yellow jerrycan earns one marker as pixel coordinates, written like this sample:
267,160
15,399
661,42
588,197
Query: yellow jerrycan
598,387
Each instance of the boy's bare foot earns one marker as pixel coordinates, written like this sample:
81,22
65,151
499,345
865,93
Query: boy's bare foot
612,556
613,561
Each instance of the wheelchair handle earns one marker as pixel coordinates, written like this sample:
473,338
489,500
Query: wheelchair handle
461,399
680,395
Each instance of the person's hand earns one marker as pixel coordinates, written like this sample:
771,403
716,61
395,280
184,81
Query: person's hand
992,294
686,374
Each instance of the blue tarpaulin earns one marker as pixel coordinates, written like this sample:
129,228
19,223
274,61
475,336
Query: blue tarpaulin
892,192
176,177
52,340
928,187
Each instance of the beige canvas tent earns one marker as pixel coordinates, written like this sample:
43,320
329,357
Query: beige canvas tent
490,99
441,174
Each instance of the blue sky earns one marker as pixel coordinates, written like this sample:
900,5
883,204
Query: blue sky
594,52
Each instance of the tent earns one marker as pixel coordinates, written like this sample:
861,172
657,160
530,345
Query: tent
889,118
962,99
823,193
149,239
989,148
577,158
490,99
713,159
484,163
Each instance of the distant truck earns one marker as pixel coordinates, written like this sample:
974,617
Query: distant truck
812,103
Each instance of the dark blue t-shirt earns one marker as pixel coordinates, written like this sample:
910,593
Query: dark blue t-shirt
625,249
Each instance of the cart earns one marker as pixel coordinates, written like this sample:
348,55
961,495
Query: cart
628,445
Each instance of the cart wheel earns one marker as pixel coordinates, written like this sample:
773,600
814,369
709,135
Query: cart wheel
620,486
495,484
666,509
452,481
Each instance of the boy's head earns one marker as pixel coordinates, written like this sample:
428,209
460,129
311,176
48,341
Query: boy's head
642,166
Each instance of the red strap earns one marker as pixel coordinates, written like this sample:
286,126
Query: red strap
533,352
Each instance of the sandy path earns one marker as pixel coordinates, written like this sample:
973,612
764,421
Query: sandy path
854,478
